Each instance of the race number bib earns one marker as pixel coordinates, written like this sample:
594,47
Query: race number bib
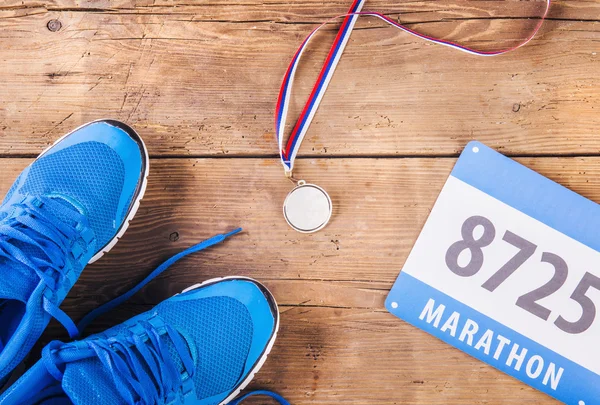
507,269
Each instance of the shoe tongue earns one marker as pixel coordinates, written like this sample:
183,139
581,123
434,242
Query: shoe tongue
76,383
78,374
18,281
67,202
16,285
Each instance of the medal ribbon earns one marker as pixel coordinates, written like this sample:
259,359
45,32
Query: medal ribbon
289,151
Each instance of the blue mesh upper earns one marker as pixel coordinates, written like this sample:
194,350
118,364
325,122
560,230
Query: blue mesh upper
11,190
91,173
219,331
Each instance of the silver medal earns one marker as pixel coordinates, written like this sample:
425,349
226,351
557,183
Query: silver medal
307,208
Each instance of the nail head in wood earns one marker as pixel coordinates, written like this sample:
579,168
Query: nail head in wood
54,25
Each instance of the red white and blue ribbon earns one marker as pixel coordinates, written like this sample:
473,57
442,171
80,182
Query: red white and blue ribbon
288,150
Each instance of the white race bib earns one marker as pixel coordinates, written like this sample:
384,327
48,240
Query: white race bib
507,269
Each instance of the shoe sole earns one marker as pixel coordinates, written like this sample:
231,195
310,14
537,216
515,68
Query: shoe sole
140,191
261,361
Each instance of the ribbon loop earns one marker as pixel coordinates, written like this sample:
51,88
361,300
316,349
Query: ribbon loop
289,150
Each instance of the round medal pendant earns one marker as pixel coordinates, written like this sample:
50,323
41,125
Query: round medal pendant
307,208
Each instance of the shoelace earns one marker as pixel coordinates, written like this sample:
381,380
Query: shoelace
125,368
76,331
142,369
51,227
159,270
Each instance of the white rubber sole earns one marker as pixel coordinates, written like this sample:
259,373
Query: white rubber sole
136,204
261,362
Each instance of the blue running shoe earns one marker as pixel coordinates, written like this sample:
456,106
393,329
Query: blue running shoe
200,347
65,210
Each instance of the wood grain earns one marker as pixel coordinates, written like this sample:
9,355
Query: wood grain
380,205
307,10
337,342
201,79
198,80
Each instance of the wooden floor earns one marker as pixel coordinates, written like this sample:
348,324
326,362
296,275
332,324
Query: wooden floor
199,79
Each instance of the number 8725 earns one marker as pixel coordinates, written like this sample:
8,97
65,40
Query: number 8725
528,301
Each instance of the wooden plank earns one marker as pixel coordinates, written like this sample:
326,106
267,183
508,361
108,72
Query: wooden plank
380,207
307,10
196,87
199,79
332,356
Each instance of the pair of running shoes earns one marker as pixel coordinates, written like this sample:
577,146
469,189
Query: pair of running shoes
67,209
